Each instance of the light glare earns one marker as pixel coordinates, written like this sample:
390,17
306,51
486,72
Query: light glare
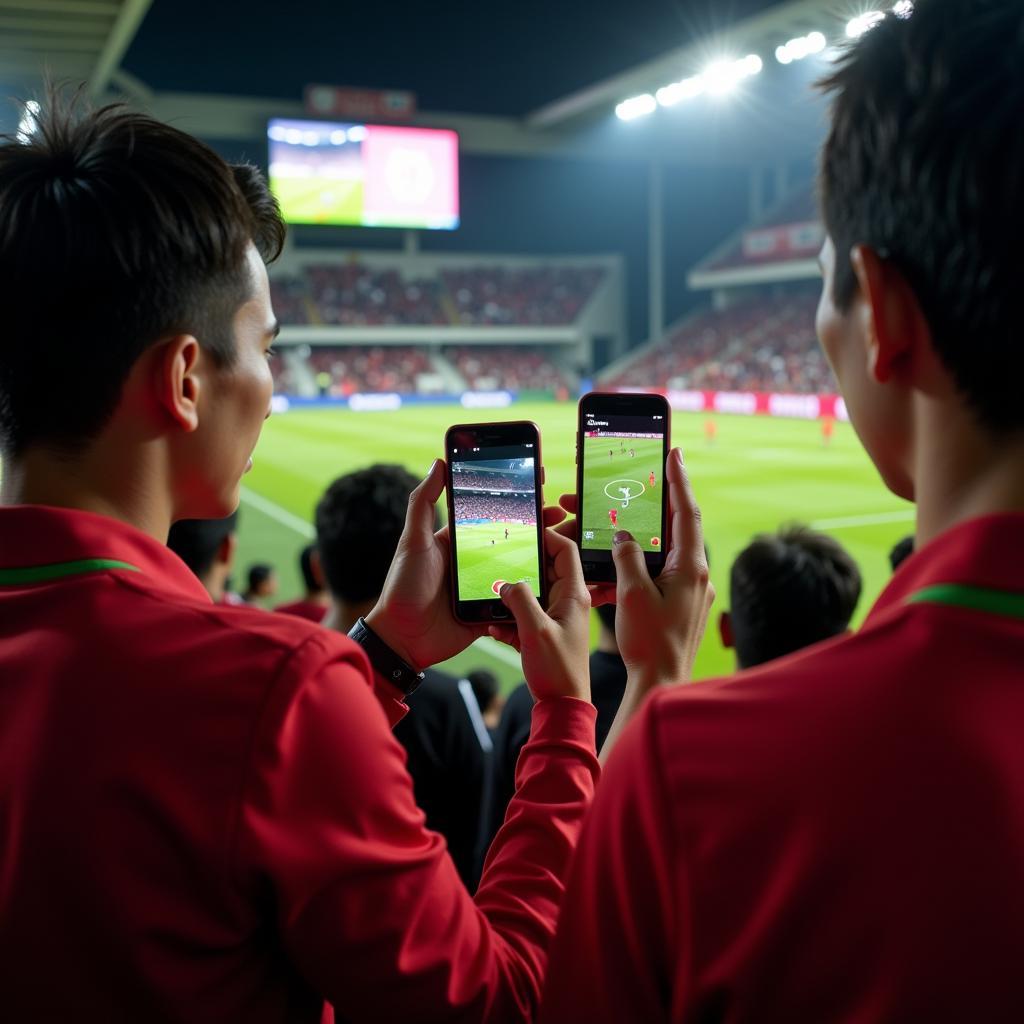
782,55
28,124
856,27
903,8
636,106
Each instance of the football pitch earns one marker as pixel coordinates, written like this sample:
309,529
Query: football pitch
757,474
615,481
486,558
320,201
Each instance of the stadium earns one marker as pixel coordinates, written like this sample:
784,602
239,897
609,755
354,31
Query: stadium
644,231
277,743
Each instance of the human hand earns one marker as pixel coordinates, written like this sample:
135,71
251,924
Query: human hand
659,623
555,645
414,613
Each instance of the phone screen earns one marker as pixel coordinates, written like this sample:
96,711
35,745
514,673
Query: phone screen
623,465
494,498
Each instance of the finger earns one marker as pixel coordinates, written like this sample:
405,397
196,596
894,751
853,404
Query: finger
568,502
419,519
567,529
630,567
566,571
505,635
687,533
601,593
524,606
553,516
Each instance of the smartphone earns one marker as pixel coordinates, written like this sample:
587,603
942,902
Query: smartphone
495,499
621,447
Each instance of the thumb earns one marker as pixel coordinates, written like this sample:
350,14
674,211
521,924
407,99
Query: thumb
419,519
630,567
524,606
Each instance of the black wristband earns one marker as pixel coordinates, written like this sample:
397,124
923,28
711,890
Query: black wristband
384,660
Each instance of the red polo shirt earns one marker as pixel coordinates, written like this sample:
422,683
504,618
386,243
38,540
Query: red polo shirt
205,817
304,609
837,836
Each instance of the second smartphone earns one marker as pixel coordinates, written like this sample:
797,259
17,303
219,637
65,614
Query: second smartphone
622,443
495,504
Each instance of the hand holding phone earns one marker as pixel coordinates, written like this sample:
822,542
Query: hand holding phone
414,613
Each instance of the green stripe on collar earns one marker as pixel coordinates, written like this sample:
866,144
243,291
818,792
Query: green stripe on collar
979,599
60,570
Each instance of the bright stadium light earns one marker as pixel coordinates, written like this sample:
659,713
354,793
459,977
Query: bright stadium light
723,76
636,106
903,8
856,27
28,124
675,92
802,46
357,133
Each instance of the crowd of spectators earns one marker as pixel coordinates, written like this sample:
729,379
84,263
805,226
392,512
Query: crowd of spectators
514,368
354,294
468,479
762,345
521,295
501,508
364,368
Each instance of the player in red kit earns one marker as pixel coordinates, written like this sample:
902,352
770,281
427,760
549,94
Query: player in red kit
651,480
613,515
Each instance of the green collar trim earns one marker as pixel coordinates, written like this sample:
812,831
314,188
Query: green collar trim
979,599
60,570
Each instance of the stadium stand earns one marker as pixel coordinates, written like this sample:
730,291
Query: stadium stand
513,368
353,293
762,344
361,368
504,508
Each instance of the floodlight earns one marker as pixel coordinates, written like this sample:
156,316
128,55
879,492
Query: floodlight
28,124
782,54
752,64
856,27
338,138
669,95
636,106
357,133
723,76
816,42
903,8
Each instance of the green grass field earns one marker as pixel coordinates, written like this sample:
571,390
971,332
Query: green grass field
758,474
320,201
485,557
608,473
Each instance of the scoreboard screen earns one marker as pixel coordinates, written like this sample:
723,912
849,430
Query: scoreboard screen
333,172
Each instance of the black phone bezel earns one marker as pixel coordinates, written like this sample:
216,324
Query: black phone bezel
598,566
493,435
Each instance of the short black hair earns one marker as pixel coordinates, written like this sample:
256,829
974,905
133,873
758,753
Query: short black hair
485,687
901,551
258,574
116,230
359,521
306,568
788,590
195,541
923,164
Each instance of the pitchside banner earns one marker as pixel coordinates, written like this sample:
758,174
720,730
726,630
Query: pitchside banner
759,403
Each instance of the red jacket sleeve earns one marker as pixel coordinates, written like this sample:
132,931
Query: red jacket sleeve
369,904
612,957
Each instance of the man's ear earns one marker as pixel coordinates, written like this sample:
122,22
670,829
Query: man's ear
725,630
177,380
895,325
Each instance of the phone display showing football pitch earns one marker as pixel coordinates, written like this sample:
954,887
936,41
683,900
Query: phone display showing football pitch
622,486
495,506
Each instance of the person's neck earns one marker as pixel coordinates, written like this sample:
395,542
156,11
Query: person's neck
125,486
961,471
343,615
320,597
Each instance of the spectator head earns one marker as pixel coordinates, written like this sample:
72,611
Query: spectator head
359,521
485,688
312,574
207,547
135,298
786,591
901,551
921,205
262,581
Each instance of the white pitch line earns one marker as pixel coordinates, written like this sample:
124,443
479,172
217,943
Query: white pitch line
486,644
904,515
281,515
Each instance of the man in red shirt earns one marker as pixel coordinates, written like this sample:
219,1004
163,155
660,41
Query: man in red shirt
839,835
204,814
316,601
